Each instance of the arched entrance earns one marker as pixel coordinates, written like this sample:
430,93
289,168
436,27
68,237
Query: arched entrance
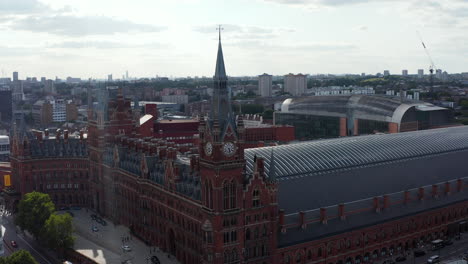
171,242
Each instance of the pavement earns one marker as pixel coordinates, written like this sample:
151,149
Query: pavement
105,245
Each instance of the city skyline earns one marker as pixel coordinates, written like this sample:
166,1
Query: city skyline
88,39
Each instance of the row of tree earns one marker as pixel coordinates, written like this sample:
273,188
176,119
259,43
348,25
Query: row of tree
19,257
37,215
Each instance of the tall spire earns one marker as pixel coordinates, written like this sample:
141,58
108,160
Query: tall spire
220,71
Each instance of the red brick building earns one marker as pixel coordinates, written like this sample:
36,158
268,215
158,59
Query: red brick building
338,201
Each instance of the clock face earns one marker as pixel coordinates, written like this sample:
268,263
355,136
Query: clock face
208,149
229,148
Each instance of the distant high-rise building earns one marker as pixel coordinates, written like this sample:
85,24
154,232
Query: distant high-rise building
15,76
386,73
49,87
43,79
420,73
264,85
404,72
109,78
438,74
126,75
6,105
295,84
363,74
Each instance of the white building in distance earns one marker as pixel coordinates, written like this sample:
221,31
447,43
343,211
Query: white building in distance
295,84
264,85
420,73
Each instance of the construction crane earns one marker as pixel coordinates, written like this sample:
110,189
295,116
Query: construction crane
432,66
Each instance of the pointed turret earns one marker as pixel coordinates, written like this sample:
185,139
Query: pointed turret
221,110
220,71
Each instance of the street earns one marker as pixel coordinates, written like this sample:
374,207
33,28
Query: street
446,254
23,241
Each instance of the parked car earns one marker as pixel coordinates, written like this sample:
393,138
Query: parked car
13,244
434,259
126,248
75,208
400,258
95,229
63,208
93,216
155,260
103,222
419,253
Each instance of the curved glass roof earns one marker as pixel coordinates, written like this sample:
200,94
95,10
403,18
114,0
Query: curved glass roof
315,157
374,107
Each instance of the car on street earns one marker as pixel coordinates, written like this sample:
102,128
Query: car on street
419,253
93,216
13,244
434,259
95,229
103,222
400,259
126,248
155,260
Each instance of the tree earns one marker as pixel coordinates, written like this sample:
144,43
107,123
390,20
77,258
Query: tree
58,232
19,257
33,211
268,114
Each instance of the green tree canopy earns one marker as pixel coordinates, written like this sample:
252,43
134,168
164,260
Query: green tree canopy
58,231
19,257
33,211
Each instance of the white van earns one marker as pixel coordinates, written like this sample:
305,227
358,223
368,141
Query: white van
434,259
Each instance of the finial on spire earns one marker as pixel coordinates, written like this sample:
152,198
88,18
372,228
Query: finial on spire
219,28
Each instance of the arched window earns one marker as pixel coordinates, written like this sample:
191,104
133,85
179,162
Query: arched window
227,257
229,195
298,258
256,198
319,252
208,194
233,194
234,255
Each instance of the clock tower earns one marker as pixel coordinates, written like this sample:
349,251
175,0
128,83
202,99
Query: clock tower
221,168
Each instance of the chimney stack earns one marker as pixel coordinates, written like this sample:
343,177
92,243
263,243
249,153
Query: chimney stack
421,193
341,211
323,215
447,188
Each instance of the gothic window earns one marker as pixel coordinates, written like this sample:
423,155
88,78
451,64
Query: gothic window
256,198
233,194
208,194
229,195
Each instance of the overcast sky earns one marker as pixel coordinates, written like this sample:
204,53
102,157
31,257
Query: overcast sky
93,38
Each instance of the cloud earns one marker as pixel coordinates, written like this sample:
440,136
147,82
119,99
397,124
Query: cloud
361,28
294,48
80,26
105,45
244,31
13,7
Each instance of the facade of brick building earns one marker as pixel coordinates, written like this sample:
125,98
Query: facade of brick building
341,201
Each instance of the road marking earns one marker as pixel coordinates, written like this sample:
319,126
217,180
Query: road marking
34,249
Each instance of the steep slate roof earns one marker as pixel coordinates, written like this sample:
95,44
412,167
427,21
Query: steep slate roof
52,148
327,172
